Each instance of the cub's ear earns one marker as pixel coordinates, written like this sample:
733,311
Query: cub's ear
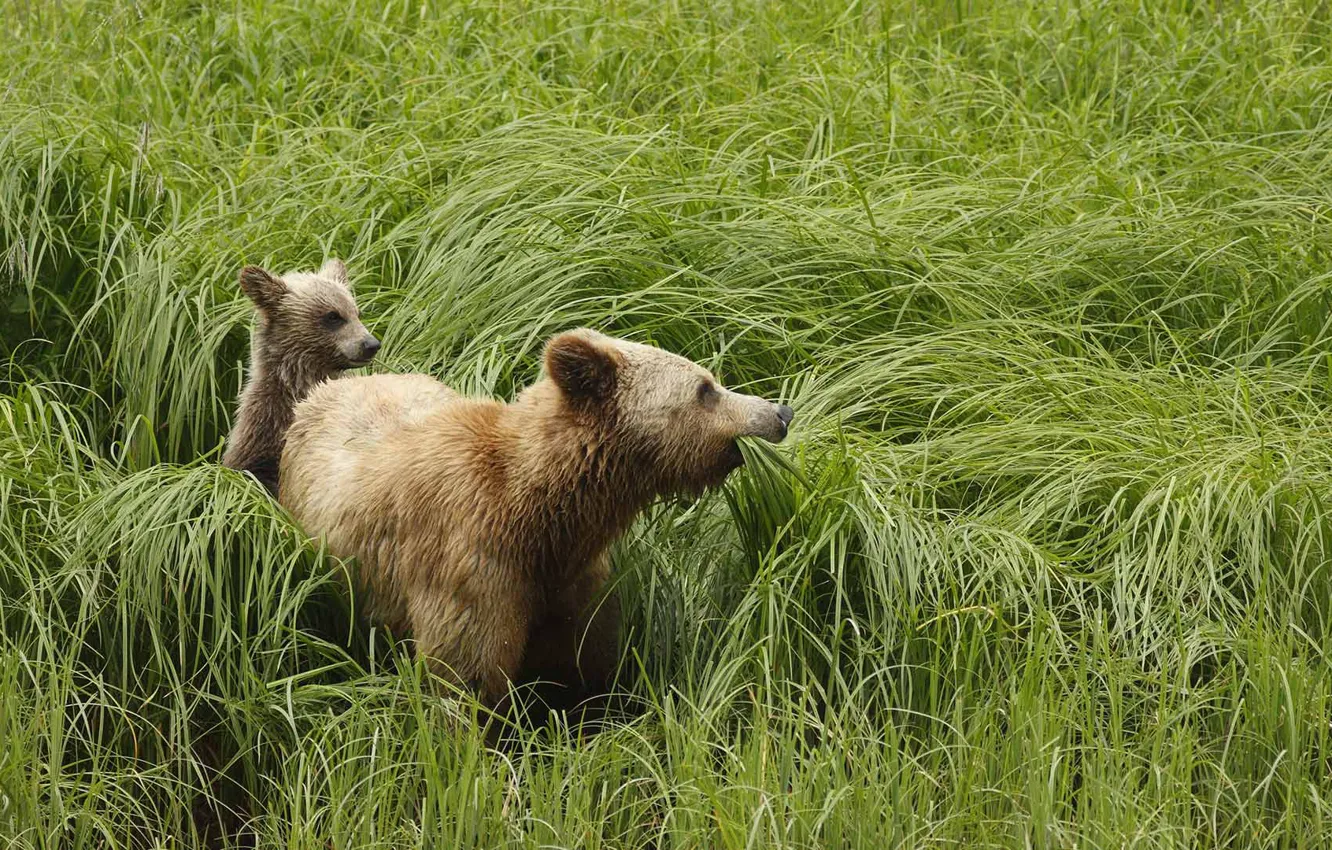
583,364
263,288
335,270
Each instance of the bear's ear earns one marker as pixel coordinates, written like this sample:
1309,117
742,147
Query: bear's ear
582,365
335,270
263,288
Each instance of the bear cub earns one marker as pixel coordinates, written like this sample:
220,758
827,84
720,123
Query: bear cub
307,329
482,528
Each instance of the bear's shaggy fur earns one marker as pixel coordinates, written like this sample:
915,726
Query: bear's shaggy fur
482,527
307,329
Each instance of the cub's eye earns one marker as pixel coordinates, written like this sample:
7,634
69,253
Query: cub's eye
332,320
706,391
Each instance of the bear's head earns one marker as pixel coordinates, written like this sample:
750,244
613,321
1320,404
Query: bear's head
670,415
310,319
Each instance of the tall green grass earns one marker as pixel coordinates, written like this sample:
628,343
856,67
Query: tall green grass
1046,563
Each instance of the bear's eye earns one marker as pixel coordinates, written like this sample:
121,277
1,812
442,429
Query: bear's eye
706,391
332,320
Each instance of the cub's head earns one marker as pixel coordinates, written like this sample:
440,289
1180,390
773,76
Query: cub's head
670,414
310,318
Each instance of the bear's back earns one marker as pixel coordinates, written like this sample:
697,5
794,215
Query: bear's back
337,429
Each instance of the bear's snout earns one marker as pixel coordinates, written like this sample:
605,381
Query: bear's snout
360,351
768,421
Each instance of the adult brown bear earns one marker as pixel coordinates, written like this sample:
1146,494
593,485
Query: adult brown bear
482,527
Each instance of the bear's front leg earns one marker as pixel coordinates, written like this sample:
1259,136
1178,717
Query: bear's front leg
474,634
573,649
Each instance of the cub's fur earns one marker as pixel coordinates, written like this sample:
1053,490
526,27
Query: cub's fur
307,329
482,527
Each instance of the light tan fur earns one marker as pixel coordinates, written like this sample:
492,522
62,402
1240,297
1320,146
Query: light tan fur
482,527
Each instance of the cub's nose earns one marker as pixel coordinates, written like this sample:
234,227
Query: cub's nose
369,348
784,415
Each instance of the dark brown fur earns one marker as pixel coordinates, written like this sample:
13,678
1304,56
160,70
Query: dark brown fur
292,349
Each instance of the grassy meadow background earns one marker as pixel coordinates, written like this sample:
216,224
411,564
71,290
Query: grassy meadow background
1045,564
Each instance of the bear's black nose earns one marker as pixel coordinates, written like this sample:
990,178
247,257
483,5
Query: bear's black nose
369,348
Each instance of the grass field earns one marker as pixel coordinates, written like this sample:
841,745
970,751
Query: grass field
1045,564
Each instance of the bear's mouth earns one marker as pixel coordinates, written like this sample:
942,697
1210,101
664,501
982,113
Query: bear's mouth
353,363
